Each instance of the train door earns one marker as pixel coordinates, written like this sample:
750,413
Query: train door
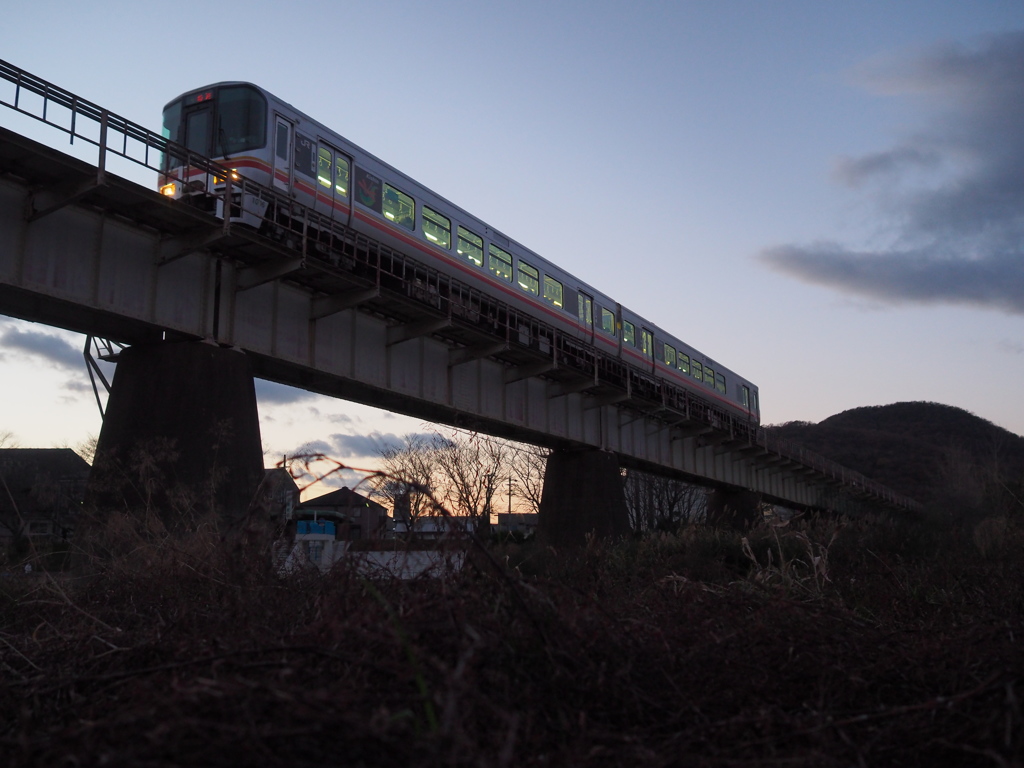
647,345
199,130
333,169
283,136
586,314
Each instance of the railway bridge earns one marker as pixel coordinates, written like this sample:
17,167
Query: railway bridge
204,305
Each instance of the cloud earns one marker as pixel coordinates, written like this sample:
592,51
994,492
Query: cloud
279,394
52,348
951,195
346,446
995,280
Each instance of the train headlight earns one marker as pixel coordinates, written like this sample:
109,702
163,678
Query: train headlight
168,190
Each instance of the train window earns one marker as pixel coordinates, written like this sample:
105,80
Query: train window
529,278
323,167
305,161
628,333
197,132
607,321
684,363
367,189
586,310
341,175
241,119
646,343
670,356
552,290
745,396
709,376
697,371
500,263
282,140
437,228
720,383
753,401
471,246
399,207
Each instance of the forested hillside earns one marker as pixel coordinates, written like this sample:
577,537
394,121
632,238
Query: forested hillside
933,453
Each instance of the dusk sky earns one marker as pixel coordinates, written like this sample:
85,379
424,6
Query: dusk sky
826,197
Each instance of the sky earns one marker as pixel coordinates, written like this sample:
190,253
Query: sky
827,198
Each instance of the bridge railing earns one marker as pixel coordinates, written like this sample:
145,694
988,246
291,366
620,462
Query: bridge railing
94,125
320,238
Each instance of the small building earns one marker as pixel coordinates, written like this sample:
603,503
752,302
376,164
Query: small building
516,523
355,516
431,527
41,492
321,530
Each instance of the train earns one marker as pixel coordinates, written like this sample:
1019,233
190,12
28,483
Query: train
266,140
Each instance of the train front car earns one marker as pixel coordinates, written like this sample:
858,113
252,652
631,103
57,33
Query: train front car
226,123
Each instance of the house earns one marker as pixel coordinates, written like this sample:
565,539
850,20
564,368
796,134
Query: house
323,529
41,491
355,516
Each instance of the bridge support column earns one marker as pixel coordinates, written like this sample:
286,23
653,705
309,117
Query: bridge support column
181,434
733,509
582,494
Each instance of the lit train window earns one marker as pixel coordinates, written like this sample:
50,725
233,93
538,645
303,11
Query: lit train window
670,356
709,376
753,401
646,342
607,321
399,207
323,167
697,371
720,383
437,228
500,263
341,175
684,363
529,279
586,309
745,396
628,333
553,290
471,246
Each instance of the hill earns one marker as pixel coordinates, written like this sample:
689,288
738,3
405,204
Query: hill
928,451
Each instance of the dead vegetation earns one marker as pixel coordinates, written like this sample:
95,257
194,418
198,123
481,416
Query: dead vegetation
818,644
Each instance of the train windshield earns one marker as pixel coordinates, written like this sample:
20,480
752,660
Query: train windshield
218,122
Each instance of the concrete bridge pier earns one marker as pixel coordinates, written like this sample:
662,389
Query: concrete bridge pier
582,494
181,434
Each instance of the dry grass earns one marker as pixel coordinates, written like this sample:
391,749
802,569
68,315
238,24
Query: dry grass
814,645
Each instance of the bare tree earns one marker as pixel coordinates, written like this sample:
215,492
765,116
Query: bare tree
526,471
410,475
465,472
658,503
473,469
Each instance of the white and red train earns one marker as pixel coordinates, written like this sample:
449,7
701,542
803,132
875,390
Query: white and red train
262,138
